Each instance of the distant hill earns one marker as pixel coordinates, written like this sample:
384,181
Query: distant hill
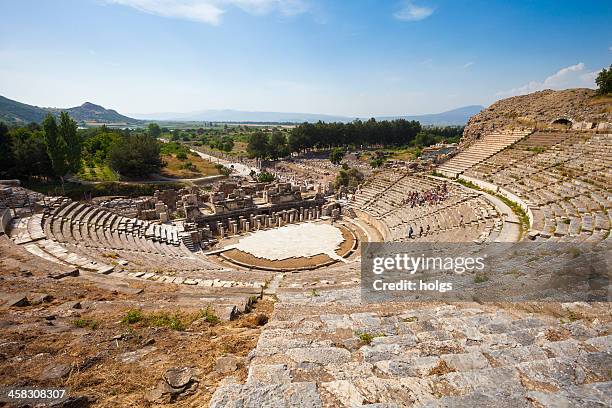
20,113
229,115
458,116
14,112
89,112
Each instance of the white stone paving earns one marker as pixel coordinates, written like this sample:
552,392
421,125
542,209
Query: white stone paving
295,240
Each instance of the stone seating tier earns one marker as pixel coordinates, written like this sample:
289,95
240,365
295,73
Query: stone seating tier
421,356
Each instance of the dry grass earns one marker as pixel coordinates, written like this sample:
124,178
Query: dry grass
114,362
177,168
603,101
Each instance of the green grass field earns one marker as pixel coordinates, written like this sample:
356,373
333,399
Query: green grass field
97,173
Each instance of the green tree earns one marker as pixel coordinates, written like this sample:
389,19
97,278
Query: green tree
258,145
154,130
336,155
30,153
348,178
278,145
72,141
6,151
136,155
424,139
56,147
604,81
377,162
97,146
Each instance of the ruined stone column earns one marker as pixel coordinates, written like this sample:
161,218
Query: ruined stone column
221,229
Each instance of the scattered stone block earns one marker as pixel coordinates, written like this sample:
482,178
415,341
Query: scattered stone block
301,394
227,364
180,377
320,355
55,372
269,374
15,300
38,298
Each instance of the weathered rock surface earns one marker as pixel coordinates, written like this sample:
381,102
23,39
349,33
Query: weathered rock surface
537,108
302,394
422,356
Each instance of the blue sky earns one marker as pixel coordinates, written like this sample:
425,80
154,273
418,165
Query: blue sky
349,57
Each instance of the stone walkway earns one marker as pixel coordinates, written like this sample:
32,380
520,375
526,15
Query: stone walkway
328,350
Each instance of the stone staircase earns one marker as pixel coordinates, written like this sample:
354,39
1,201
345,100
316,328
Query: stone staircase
481,150
330,351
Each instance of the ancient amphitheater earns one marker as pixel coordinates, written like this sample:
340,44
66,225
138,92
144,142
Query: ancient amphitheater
243,244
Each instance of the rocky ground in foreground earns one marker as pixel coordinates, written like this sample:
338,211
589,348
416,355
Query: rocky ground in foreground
114,345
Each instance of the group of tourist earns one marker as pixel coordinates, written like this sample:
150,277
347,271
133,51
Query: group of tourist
428,197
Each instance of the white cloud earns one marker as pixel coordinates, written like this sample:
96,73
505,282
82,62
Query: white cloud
261,7
211,11
573,76
468,64
610,48
412,12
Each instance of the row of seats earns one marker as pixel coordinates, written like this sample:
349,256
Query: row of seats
564,181
95,239
375,187
462,216
421,356
481,150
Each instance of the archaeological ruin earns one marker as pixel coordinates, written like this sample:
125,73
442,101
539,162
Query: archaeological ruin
229,249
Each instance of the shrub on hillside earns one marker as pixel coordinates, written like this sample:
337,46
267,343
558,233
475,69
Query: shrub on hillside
136,155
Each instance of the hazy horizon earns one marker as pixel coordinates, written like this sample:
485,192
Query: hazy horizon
359,59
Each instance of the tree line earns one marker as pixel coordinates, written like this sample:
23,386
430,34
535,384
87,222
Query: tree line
56,149
357,134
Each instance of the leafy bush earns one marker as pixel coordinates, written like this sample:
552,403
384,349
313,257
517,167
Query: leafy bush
189,166
172,321
336,155
132,316
136,155
348,178
480,278
86,324
375,163
265,177
209,315
366,338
